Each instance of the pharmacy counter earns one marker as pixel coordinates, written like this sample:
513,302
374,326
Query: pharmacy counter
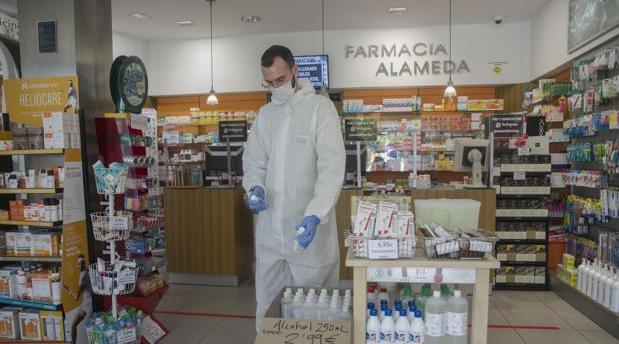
423,270
209,236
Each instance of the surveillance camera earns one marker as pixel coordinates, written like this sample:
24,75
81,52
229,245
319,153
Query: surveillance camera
498,19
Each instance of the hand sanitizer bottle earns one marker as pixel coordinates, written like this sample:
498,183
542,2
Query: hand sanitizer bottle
457,319
416,332
436,311
372,329
387,328
401,328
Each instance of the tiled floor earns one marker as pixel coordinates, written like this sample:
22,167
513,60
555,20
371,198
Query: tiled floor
198,314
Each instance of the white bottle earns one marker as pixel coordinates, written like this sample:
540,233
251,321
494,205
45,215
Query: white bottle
322,307
457,319
309,308
614,298
334,307
416,333
589,289
345,313
411,314
383,309
580,275
387,328
286,302
436,310
595,279
297,306
608,286
601,286
372,329
401,328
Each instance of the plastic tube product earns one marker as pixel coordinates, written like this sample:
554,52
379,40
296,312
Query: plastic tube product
387,328
372,329
417,328
436,309
296,248
457,319
401,328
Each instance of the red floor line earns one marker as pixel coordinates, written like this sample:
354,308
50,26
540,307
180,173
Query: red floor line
237,316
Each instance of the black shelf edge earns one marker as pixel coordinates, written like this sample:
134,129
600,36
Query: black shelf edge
522,218
523,241
521,196
521,286
604,318
511,262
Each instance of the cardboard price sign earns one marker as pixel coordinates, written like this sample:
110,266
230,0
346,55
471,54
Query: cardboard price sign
360,130
507,125
236,131
280,331
383,249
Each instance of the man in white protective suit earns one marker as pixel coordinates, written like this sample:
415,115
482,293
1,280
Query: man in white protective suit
294,166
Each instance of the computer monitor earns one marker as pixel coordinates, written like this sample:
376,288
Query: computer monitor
351,162
471,155
217,162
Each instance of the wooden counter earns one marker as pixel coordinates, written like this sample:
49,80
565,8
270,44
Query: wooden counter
487,198
209,236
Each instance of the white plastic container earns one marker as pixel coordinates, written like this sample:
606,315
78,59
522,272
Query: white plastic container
286,303
401,328
457,319
372,329
416,331
614,298
435,314
369,310
608,286
387,329
580,275
590,273
595,279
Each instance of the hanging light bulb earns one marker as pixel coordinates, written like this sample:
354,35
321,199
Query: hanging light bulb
450,90
212,97
323,87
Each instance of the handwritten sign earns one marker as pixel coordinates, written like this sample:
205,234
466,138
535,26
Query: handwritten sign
119,223
383,249
126,336
280,331
139,122
152,331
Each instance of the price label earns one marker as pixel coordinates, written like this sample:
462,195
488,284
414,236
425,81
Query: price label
139,122
126,336
480,246
119,223
383,249
151,330
126,277
520,175
284,331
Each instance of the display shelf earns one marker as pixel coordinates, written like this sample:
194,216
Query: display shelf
32,152
522,213
522,263
519,195
30,223
48,306
599,314
526,167
525,190
43,259
31,191
521,286
522,241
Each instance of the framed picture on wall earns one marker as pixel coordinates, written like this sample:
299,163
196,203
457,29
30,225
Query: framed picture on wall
589,19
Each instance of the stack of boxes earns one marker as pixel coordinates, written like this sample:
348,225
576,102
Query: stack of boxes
35,243
60,130
566,270
31,324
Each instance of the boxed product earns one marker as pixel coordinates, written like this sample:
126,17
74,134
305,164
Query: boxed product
30,325
540,276
9,322
23,244
41,286
364,219
540,253
8,286
59,130
525,274
385,219
52,326
45,244
525,253
11,239
506,253
275,329
505,274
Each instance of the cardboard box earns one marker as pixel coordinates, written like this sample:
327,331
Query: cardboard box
45,244
30,325
276,330
9,323
52,325
8,283
41,286
23,244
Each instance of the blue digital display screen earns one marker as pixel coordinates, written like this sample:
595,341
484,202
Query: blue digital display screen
314,68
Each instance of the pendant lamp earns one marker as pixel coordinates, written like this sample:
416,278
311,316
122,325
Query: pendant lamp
450,90
323,87
212,97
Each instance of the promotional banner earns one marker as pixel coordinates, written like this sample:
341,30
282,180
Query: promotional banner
28,99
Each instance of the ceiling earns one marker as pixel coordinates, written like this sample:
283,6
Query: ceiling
304,15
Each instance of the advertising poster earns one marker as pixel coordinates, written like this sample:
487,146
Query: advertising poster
28,99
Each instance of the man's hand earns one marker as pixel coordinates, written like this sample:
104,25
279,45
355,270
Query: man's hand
255,200
310,223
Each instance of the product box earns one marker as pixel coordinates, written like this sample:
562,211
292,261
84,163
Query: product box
30,325
23,244
505,274
525,274
276,329
540,275
41,286
45,244
52,326
540,253
9,323
8,286
11,240
506,253
525,253
557,135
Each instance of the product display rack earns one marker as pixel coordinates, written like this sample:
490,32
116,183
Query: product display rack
507,217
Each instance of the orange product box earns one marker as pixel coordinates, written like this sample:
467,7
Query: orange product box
30,325
41,286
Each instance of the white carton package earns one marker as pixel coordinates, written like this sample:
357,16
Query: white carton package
385,219
363,225
405,224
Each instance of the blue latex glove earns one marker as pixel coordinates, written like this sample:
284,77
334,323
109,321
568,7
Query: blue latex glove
255,200
310,223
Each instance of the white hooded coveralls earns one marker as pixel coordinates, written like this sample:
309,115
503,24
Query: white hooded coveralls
295,151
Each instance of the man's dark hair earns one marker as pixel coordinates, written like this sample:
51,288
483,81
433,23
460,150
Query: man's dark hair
277,51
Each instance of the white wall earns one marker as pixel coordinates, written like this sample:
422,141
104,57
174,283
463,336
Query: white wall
549,38
123,44
180,67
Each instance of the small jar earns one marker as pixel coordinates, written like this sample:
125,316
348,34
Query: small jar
13,183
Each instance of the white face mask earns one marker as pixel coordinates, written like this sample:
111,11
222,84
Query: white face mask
283,92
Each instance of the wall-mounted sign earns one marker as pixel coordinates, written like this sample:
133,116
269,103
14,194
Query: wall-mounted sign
408,60
507,125
314,68
48,40
28,99
360,130
235,131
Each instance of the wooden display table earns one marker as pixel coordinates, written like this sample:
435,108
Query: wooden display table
479,328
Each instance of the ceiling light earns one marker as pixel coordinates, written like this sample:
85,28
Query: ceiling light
250,19
185,23
450,90
397,10
138,15
212,100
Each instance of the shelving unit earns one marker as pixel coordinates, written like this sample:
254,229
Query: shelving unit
32,152
31,304
31,191
42,259
31,223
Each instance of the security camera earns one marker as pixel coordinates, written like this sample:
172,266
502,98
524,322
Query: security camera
498,19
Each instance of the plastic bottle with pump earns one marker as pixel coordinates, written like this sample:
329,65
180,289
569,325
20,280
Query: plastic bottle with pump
580,275
595,279
589,287
608,286
387,328
614,298
372,329
416,332
401,328
435,314
457,319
